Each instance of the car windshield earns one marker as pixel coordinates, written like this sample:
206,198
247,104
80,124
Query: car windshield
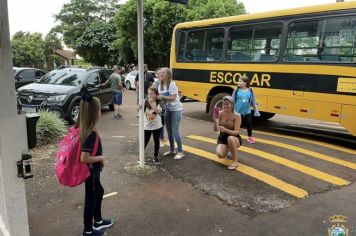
69,78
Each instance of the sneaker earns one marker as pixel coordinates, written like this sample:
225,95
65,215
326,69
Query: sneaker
156,161
94,233
120,116
168,153
179,156
117,116
103,224
161,144
229,155
251,140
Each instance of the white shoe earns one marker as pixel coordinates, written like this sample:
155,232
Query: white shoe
168,153
179,156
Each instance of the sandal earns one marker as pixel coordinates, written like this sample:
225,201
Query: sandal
233,166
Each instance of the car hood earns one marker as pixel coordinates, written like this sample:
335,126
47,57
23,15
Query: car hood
50,89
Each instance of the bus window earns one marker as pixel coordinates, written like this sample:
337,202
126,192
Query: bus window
303,40
195,46
180,54
214,43
239,44
265,42
205,45
338,40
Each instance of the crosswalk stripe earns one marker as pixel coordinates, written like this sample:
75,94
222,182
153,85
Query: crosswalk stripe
280,160
266,178
323,157
331,146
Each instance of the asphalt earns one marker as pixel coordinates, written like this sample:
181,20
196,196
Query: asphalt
197,195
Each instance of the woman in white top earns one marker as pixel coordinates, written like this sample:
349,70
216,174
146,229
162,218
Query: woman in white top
168,91
152,120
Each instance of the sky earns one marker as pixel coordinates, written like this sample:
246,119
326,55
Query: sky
37,15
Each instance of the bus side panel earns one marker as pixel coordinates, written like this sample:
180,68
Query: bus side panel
304,108
261,101
193,92
348,118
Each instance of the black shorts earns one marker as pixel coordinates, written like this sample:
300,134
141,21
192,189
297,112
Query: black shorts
222,139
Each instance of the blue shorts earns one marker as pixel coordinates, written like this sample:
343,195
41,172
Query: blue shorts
117,98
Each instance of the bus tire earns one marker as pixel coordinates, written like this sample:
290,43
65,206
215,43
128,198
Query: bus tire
265,115
215,101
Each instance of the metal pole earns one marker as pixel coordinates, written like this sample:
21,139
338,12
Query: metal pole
141,79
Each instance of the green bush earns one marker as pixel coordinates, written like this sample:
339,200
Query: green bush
50,127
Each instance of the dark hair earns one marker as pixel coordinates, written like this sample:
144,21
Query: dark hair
245,79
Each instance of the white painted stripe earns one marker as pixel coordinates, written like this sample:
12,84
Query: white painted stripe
135,124
118,136
110,194
3,228
128,106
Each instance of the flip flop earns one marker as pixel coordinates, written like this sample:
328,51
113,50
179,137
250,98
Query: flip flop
233,166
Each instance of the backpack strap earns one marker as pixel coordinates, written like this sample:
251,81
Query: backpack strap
96,144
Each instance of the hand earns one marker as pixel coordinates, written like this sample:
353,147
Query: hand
222,129
159,97
102,163
216,119
256,113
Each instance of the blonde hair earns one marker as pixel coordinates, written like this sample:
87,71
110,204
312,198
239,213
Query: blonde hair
88,117
169,79
231,101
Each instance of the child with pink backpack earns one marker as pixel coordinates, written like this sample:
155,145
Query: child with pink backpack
80,159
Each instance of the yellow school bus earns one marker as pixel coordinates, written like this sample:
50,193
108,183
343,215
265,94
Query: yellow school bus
301,62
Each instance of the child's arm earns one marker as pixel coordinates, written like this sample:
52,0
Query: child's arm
86,158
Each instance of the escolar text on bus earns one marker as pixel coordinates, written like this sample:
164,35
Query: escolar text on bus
257,79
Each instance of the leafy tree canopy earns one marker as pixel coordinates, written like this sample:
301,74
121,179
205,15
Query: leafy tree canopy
95,44
160,17
27,49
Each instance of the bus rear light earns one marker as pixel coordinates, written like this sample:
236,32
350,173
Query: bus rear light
277,107
335,115
303,110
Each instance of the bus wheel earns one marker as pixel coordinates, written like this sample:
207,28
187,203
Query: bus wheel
265,115
217,102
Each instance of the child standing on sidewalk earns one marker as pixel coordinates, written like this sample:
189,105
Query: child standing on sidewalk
88,117
152,120
244,98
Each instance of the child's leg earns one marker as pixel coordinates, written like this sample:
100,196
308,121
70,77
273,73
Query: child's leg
248,122
147,136
156,135
99,193
89,204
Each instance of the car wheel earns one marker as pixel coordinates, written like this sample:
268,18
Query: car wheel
73,113
128,85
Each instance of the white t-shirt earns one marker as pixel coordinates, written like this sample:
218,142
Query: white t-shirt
175,105
152,121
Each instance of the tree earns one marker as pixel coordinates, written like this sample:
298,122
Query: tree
51,44
95,44
27,49
160,17
75,16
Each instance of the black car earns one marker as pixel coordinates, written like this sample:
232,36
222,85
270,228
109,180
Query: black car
24,76
58,91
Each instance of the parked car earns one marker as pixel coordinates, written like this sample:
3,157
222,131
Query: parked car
24,76
58,91
130,79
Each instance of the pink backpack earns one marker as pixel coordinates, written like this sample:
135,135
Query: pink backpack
69,169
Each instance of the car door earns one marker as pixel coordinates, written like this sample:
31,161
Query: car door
25,77
93,82
106,91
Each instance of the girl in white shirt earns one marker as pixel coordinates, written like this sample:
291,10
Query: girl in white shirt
152,120
168,91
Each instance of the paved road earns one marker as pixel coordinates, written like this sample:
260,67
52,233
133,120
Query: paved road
288,183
